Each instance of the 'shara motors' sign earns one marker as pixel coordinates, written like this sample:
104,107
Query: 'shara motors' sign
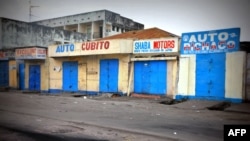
225,40
156,46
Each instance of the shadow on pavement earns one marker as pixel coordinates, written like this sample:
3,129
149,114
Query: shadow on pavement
12,134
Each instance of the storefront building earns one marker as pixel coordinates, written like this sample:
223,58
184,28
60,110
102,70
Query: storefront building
23,44
33,72
154,68
7,69
211,66
90,67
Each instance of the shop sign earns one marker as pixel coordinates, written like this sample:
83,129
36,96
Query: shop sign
224,40
166,45
31,53
85,46
5,55
91,48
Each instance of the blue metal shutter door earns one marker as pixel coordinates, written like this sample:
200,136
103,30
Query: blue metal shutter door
210,75
150,77
70,76
109,75
34,77
4,73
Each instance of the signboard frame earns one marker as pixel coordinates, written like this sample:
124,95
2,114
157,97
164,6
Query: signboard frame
31,53
214,41
154,46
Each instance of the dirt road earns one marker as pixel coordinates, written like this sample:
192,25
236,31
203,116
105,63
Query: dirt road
35,117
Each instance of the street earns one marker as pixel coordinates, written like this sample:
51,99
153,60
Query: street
64,117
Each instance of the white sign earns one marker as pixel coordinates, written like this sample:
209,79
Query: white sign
165,45
31,53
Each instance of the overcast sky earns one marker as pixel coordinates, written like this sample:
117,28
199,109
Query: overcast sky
175,16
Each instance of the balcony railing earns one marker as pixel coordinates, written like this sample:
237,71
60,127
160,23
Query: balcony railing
97,35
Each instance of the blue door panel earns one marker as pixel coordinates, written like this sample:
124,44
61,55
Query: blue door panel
113,75
34,77
161,77
109,75
210,75
70,76
4,73
104,87
21,76
138,75
150,77
147,77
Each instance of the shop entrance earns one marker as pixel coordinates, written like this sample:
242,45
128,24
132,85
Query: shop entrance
34,77
4,73
210,75
109,75
70,76
150,77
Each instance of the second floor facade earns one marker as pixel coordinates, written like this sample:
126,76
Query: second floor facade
18,34
94,25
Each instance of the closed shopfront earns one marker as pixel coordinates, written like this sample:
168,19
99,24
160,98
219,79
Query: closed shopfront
4,73
109,69
70,76
210,75
90,67
211,66
21,76
150,77
32,69
34,77
155,66
8,69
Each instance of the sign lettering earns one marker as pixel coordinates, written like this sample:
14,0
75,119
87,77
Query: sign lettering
225,40
92,48
164,44
31,53
65,48
236,132
156,46
95,45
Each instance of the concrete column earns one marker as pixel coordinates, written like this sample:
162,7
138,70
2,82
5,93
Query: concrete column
1,45
104,29
78,27
92,30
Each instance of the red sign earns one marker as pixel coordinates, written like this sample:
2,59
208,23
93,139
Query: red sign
98,45
2,54
164,44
